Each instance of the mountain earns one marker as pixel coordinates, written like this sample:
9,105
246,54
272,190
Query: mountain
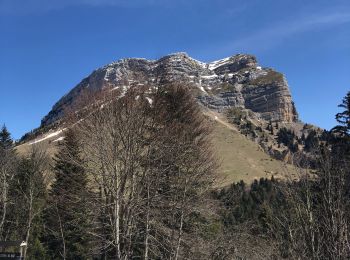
234,92
236,81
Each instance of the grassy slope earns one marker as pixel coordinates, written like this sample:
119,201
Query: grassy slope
240,158
47,145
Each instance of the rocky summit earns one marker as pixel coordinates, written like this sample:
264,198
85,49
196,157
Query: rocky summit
236,81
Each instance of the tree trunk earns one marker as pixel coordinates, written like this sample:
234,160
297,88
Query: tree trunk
30,219
147,223
64,255
4,206
181,222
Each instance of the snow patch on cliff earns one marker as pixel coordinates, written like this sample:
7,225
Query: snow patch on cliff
215,64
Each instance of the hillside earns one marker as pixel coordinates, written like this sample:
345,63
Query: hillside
241,158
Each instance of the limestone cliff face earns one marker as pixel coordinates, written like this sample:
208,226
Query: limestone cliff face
236,81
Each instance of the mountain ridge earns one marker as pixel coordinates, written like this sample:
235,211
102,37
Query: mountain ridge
235,81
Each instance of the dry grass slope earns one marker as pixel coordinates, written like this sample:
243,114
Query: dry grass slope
241,158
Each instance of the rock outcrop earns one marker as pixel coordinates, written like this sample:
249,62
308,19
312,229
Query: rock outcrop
236,81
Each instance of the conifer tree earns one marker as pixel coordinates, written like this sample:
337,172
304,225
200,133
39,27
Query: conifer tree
5,138
343,118
67,218
341,133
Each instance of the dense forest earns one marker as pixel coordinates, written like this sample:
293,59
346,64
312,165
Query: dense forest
135,178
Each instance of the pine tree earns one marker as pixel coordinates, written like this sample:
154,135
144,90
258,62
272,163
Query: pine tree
5,138
341,132
37,250
343,118
183,131
67,218
311,141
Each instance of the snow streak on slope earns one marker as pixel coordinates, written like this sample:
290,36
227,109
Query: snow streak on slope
47,136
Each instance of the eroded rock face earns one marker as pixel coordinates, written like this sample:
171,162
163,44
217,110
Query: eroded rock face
236,81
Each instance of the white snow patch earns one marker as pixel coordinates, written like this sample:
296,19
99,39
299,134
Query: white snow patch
215,64
48,136
209,76
123,91
258,68
59,139
201,88
109,71
202,64
150,101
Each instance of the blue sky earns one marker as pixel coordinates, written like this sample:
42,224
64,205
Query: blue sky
48,46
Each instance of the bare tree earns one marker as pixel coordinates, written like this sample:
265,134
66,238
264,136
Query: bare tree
7,172
29,191
114,145
315,223
148,152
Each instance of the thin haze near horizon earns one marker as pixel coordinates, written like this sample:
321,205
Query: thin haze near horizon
47,47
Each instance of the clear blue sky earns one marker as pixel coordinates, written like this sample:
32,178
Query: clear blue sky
48,46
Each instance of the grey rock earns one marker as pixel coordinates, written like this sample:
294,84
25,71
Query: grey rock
236,81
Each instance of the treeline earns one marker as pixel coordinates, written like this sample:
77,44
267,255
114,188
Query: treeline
123,184
307,218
